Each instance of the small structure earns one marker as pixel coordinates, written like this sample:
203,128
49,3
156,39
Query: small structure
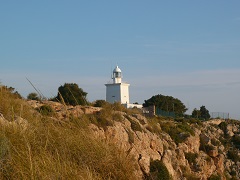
118,91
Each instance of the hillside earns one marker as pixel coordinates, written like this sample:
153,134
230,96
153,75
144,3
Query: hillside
47,140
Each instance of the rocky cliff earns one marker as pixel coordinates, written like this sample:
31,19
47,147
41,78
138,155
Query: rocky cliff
164,147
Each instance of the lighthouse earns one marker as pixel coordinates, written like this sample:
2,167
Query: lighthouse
117,91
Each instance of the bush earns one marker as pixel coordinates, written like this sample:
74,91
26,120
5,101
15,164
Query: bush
233,155
33,96
102,119
236,141
223,127
215,177
178,132
134,124
191,157
186,128
215,142
154,126
206,147
71,94
46,110
100,103
158,171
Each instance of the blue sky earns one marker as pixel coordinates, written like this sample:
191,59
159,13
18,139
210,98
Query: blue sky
186,49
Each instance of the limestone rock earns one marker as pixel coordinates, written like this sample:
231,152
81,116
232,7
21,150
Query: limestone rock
206,165
144,163
213,153
141,118
145,146
167,160
204,138
219,163
193,143
231,129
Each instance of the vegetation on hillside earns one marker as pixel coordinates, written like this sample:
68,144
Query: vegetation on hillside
44,148
33,96
34,144
202,113
166,103
71,94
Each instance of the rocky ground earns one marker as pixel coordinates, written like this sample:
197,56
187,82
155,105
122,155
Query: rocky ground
189,149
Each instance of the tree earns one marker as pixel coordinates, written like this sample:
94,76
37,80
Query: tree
166,103
196,113
33,96
71,94
204,113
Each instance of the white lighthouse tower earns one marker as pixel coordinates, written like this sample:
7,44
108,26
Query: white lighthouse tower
117,91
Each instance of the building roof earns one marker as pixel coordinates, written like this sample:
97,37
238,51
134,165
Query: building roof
117,69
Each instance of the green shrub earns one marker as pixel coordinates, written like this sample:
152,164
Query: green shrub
215,177
33,96
191,157
215,142
46,110
154,126
117,106
226,141
233,155
108,115
236,141
71,94
116,116
178,132
223,127
158,171
206,147
102,122
233,173
100,103
186,128
134,124
195,121
208,159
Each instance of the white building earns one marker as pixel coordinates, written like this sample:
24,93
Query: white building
117,91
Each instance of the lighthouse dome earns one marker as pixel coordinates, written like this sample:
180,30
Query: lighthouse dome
117,70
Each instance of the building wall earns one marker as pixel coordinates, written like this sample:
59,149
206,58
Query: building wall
133,106
113,93
124,93
118,92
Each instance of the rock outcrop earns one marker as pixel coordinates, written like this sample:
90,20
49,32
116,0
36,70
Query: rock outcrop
208,151
146,146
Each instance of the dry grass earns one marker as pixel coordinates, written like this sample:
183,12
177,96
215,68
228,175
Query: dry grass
49,149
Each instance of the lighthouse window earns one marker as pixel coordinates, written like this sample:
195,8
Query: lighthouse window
118,74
